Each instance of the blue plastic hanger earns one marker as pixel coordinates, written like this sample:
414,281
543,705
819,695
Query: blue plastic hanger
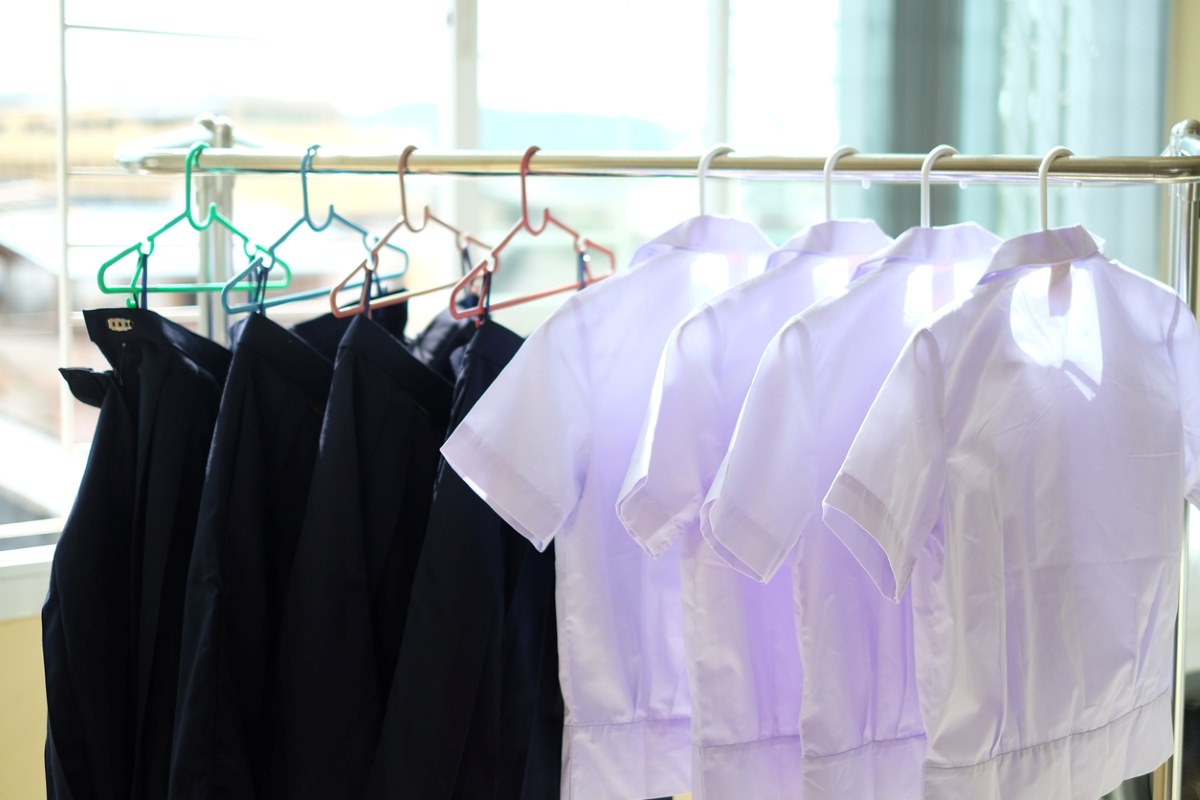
260,267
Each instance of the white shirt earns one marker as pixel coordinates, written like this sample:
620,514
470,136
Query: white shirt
860,721
742,657
547,447
1025,465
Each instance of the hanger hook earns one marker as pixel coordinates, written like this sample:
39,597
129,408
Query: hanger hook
193,158
1043,174
305,168
401,169
525,159
705,164
830,163
926,168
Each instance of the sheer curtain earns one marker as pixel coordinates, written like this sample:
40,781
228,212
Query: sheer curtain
1016,76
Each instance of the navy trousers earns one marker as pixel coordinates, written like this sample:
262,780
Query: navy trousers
475,710
263,453
112,618
347,597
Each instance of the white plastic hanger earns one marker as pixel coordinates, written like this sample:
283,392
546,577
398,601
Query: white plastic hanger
830,163
926,168
703,167
1043,173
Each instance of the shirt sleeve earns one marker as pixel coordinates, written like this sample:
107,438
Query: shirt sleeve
1185,354
886,497
681,443
524,447
764,492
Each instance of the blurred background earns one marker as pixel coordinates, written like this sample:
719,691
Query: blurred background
1103,77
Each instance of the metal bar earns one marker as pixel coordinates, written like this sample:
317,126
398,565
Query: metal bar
166,32
884,168
216,246
37,527
222,253
1188,272
207,242
66,404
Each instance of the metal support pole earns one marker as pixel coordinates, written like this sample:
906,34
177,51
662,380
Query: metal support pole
1187,266
222,254
1184,271
204,197
66,404
215,244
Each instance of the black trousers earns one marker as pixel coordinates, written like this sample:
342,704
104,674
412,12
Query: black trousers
475,709
348,593
112,618
263,452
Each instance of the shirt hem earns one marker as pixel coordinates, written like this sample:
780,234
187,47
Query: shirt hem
764,769
777,768
1078,766
884,769
646,758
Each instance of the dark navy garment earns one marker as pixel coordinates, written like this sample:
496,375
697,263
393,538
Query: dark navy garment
325,333
475,710
441,339
348,593
255,493
112,619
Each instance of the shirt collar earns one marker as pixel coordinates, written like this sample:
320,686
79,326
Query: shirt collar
707,234
1042,248
842,237
962,242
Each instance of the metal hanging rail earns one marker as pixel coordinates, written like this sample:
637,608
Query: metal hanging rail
1178,169
882,168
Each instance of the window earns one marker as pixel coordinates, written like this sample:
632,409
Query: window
1017,76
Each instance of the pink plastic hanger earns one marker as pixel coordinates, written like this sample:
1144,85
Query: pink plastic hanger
487,268
461,241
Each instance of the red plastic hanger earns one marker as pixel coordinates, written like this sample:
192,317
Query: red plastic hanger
487,268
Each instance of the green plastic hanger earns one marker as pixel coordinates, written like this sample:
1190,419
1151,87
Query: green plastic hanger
145,247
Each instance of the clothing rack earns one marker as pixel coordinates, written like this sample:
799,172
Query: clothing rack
1178,169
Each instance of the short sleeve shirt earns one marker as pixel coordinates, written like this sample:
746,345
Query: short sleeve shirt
547,447
860,721
1048,429
743,660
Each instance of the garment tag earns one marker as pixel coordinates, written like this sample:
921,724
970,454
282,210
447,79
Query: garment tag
1058,298
120,324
